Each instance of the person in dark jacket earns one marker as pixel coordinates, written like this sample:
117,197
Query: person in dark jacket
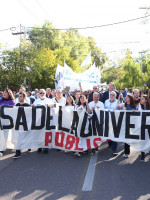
107,93
129,105
95,89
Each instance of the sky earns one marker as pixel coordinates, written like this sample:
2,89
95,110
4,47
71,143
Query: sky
113,40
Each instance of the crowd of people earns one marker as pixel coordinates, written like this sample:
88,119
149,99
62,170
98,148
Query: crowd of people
96,98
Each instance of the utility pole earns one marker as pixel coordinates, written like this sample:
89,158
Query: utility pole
141,56
22,32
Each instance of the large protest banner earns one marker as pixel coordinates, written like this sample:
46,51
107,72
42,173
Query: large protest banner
68,129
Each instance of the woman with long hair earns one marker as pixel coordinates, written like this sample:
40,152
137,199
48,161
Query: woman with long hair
8,98
82,105
129,105
70,101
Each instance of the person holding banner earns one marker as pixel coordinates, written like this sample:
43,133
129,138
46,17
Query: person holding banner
59,99
106,95
95,89
21,98
129,105
111,104
9,100
81,105
144,105
27,99
70,101
42,100
93,105
96,104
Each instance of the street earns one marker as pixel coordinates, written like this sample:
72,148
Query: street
61,176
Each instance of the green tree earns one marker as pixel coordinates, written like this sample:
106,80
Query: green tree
43,69
35,61
113,74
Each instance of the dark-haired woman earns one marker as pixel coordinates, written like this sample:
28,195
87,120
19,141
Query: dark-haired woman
82,102
145,105
129,105
70,101
9,100
81,105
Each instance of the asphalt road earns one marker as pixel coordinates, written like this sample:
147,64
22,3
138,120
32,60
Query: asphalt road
61,176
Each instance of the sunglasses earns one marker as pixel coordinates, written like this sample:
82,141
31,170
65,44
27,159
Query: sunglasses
42,93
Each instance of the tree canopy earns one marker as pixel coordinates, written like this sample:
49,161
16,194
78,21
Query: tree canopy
33,63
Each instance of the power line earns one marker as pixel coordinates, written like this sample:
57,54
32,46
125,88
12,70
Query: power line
7,29
104,25
91,27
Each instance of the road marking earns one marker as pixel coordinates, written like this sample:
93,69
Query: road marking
89,178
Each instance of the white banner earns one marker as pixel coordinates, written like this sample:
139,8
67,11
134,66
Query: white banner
63,128
59,77
87,60
87,78
65,77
